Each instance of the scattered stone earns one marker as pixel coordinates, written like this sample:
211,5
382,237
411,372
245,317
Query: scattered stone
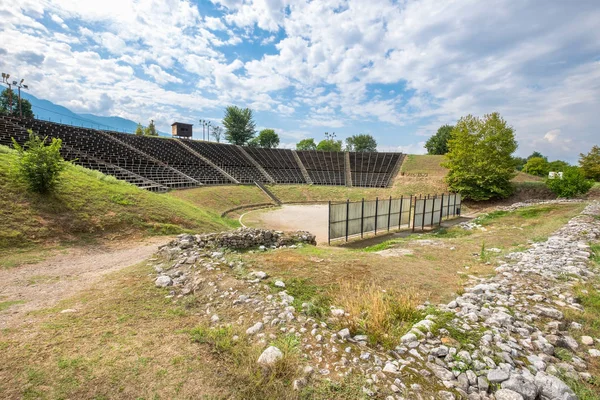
587,340
163,281
254,329
497,376
270,356
507,394
279,284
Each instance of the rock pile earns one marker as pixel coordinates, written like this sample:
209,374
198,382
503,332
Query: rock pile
515,320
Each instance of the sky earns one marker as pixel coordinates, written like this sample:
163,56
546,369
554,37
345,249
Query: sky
397,70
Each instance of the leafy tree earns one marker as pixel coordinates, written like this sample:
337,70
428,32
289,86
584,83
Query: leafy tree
480,159
306,144
330,145
536,166
438,143
150,129
139,131
361,143
590,163
253,142
38,165
557,166
268,139
573,183
519,163
217,133
5,104
239,125
537,154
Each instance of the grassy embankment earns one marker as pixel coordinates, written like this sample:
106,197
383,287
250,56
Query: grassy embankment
88,206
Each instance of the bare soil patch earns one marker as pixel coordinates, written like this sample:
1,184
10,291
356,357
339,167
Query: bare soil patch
36,286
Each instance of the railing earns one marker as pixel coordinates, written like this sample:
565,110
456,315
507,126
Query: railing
360,217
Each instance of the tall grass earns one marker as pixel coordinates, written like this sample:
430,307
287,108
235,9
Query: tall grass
384,316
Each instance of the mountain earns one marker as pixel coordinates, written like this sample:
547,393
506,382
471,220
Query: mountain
48,111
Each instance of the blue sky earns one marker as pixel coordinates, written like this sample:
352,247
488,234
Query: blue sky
394,69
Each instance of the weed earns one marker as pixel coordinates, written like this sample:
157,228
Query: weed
563,354
220,338
464,337
304,291
483,256
7,304
583,390
382,315
349,388
534,212
486,219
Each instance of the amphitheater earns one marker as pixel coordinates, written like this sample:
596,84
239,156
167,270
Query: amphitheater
161,164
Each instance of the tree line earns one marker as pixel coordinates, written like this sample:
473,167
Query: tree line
479,156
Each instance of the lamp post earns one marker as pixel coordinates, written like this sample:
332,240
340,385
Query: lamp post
208,130
19,86
202,123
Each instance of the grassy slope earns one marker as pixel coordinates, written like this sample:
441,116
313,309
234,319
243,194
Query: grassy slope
220,198
423,174
90,205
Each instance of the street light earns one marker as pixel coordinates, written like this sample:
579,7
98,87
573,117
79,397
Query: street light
19,86
5,80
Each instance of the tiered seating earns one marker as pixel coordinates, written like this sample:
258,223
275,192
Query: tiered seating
92,142
371,169
174,155
230,159
279,163
324,167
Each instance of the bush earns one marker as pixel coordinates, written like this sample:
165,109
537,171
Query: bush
38,165
573,183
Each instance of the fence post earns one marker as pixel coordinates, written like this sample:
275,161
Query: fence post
347,216
424,209
454,206
400,212
441,210
362,217
433,209
329,225
376,211
389,212
415,212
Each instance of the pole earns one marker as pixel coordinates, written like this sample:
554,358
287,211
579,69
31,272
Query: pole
441,210
414,212
454,206
389,212
362,217
376,210
424,209
347,216
10,99
20,110
329,225
433,209
400,212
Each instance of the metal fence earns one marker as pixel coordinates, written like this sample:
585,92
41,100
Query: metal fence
360,217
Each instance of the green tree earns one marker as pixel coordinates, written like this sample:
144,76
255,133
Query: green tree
573,183
306,144
253,142
438,143
6,108
38,165
330,145
519,163
239,125
537,154
268,139
150,129
480,159
536,166
139,131
360,143
590,163
557,166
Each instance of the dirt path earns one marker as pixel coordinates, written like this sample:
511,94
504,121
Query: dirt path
312,218
42,285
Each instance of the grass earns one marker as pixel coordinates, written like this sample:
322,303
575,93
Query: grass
383,315
218,199
424,164
463,337
7,304
89,205
304,291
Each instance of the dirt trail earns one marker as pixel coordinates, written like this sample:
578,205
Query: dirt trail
42,285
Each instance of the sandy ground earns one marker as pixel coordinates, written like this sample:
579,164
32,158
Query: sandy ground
312,218
44,284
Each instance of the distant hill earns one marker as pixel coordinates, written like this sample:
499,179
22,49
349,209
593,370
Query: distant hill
46,110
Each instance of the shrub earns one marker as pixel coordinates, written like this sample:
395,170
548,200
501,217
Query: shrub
573,183
39,165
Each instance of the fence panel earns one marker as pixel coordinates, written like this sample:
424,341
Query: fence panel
356,218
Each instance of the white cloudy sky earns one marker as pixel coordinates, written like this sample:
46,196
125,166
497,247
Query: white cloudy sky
395,69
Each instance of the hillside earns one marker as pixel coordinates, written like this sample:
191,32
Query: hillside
91,205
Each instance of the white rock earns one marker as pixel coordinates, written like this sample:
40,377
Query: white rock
270,356
344,333
507,394
214,318
390,368
337,312
279,284
163,281
594,353
587,340
254,328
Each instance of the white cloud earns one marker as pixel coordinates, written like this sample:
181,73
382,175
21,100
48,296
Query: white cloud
159,75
